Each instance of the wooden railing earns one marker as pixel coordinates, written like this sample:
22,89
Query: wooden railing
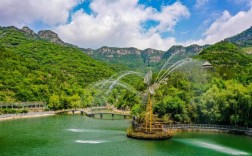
208,126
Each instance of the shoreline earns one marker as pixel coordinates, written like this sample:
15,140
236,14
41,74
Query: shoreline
5,117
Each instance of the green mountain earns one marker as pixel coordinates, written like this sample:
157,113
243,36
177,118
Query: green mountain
229,61
225,53
243,39
131,57
183,52
33,69
141,59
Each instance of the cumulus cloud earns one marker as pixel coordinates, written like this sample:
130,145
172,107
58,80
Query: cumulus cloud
120,23
25,12
225,26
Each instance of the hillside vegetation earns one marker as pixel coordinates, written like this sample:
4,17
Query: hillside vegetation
229,61
37,70
218,95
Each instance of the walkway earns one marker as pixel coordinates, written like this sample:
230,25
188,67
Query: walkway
26,115
211,127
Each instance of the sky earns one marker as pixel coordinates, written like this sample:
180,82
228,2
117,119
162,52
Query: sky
157,24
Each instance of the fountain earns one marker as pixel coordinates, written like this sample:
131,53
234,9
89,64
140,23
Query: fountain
152,128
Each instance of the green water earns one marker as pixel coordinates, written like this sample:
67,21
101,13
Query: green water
78,135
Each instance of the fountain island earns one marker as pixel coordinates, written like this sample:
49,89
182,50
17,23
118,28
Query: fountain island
152,128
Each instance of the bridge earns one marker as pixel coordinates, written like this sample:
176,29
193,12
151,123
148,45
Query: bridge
210,127
92,111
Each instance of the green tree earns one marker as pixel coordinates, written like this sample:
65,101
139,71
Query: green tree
54,102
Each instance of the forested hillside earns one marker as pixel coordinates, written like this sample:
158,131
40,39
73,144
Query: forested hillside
229,61
37,70
218,95
244,39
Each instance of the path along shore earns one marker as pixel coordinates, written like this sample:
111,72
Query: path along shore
26,115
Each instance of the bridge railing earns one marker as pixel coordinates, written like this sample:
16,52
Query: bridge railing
206,126
96,110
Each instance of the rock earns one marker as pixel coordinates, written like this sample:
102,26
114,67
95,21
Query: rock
28,31
50,36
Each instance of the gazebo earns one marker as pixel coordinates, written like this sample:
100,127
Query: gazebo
207,65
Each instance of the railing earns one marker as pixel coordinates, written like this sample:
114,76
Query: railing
207,126
22,104
97,110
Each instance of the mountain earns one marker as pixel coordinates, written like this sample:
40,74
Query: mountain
30,32
46,35
141,59
244,39
131,57
34,69
183,52
151,56
229,61
50,36
225,53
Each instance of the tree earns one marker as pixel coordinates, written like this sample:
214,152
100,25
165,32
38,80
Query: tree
54,102
75,101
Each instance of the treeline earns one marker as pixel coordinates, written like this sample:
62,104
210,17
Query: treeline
219,102
225,98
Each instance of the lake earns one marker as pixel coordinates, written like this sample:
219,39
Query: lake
80,135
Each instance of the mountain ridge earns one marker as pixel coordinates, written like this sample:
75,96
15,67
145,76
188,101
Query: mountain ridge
135,58
129,56
243,39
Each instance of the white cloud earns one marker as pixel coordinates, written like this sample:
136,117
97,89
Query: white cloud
200,3
226,26
119,23
25,12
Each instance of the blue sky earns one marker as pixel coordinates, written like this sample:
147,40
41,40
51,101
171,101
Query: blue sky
201,17
143,24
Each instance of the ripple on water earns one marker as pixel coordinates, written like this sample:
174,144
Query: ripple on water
212,146
94,131
79,130
90,141
220,148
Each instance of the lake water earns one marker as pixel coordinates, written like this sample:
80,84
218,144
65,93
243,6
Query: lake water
79,135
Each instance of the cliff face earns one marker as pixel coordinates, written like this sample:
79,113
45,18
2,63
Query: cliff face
29,31
118,51
189,51
151,55
135,58
50,36
47,35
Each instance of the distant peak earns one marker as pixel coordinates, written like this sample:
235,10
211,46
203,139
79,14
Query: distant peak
47,32
51,36
28,30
